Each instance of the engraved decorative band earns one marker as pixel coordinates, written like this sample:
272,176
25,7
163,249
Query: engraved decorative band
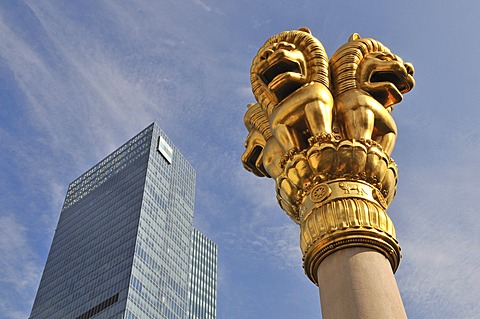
337,189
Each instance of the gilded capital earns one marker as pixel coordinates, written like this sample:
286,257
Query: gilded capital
323,130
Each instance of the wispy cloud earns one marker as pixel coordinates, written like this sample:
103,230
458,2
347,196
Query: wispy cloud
19,268
437,229
203,5
264,232
435,277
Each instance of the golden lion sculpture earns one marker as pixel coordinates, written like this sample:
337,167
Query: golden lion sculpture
263,154
367,80
290,81
304,98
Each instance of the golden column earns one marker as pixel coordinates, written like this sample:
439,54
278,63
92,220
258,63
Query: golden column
323,130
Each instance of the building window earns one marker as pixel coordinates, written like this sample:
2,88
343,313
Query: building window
165,149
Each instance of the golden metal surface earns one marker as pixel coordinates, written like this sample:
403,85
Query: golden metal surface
323,130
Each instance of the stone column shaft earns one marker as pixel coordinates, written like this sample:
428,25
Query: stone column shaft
358,283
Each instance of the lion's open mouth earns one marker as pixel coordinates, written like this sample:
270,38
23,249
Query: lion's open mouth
400,81
283,78
282,66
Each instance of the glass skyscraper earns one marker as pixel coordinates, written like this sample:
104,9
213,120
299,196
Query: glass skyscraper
124,246
203,271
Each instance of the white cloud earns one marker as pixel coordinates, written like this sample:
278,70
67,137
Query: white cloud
19,268
263,231
437,226
203,5
439,277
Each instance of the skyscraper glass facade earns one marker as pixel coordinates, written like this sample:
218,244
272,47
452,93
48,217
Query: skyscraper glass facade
203,274
123,244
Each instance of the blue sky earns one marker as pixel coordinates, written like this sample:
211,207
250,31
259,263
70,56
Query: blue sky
79,78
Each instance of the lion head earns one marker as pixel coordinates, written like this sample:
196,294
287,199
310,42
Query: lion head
263,154
259,132
367,64
286,62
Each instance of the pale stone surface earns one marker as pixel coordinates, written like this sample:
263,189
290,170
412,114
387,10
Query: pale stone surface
358,283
